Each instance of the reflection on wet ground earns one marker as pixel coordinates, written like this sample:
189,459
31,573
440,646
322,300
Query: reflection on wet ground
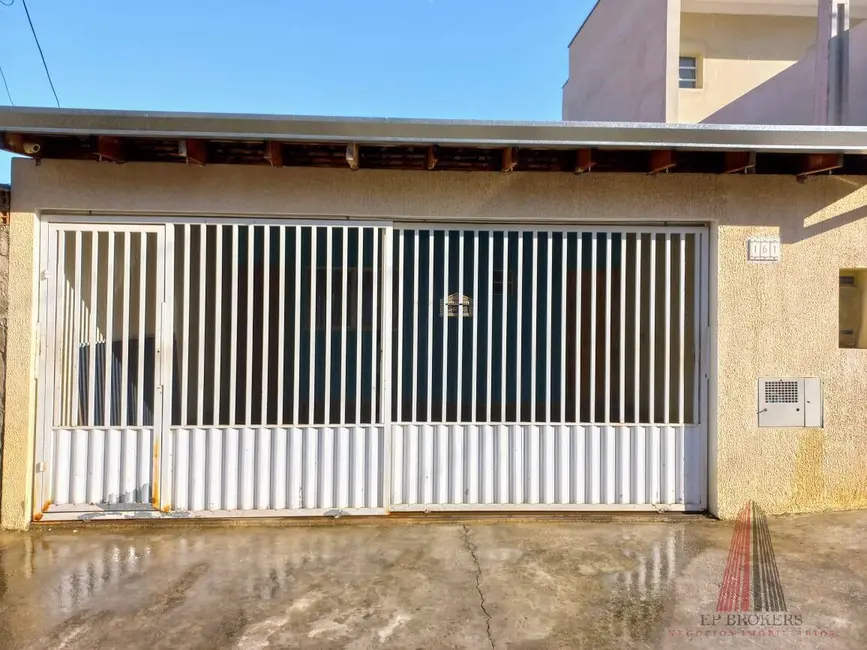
532,585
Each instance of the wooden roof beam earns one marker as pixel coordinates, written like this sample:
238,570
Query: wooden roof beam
353,159
194,151
510,159
109,149
817,163
737,162
432,157
584,161
661,161
274,153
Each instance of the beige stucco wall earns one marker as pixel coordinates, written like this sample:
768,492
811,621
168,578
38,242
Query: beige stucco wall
772,319
737,54
618,63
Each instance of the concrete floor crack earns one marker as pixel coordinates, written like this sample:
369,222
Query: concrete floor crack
471,549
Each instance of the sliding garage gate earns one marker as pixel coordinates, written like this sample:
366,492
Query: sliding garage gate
239,368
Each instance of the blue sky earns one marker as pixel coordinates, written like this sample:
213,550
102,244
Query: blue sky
471,59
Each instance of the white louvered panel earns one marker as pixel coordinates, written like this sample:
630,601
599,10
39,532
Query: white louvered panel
102,466
578,469
300,469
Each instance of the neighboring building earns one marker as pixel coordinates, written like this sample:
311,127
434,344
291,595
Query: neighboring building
721,61
223,315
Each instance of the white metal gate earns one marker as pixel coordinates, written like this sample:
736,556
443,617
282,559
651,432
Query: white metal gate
550,369
100,380
241,367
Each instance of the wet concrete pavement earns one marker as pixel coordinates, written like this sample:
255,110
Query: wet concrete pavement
576,584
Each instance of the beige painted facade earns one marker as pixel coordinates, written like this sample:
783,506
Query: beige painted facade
736,54
757,63
769,319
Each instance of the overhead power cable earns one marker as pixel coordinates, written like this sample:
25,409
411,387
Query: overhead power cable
6,85
44,64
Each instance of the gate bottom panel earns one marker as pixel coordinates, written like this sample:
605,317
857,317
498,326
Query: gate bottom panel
249,470
548,467
100,466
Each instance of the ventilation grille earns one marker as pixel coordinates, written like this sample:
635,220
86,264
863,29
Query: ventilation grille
781,392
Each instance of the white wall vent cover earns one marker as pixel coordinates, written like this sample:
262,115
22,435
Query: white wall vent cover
790,402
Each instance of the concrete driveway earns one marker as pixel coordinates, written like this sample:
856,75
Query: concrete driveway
628,583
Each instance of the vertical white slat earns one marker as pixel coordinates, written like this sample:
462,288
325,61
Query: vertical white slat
109,335
203,276
263,458
534,328
295,443
489,339
251,267
565,436
91,335
593,325
414,469
359,325
471,463
637,367
504,319
231,467
549,302
460,321
549,470
311,385
622,326
296,333
518,463
185,348
520,309
445,318
579,281
218,321
416,241
233,337
381,465
627,459
667,361
328,330
374,336
247,468
474,321
651,329
502,438
431,299
60,357
266,304
695,305
198,451
142,292
456,462
608,250
344,323
214,437
282,301
681,321
564,279
124,363
401,305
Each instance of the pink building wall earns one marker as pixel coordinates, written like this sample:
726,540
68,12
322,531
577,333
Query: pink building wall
617,63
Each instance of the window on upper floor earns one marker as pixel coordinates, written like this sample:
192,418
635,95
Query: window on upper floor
689,72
